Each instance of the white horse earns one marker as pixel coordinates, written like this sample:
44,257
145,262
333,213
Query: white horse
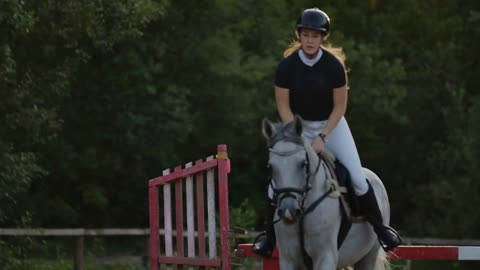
299,178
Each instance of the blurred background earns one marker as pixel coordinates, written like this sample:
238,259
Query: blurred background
97,97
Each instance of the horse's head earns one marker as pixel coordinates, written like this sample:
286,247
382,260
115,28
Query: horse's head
290,164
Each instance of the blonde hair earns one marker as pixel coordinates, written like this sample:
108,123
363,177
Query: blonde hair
335,51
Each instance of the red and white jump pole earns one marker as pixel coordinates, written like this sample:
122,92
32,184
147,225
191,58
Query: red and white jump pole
436,253
445,253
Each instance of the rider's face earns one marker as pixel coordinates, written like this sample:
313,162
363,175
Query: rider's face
311,41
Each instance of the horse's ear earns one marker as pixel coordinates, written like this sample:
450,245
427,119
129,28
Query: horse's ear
297,124
267,128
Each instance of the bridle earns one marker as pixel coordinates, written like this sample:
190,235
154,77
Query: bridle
288,192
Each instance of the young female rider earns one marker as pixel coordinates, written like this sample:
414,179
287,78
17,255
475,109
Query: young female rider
311,82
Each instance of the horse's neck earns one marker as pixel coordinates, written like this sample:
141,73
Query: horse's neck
318,181
318,177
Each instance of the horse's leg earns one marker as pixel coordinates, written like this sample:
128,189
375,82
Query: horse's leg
289,249
326,262
325,257
291,261
287,264
321,245
370,260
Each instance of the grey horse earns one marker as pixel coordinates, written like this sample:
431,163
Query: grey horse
299,178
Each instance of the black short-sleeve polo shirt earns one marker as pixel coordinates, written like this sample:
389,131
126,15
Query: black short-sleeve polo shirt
311,88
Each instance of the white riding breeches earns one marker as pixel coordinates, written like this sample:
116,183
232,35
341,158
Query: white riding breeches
341,144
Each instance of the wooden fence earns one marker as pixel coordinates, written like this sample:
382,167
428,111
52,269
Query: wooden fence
78,236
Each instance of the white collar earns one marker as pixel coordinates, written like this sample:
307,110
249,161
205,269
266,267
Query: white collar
307,61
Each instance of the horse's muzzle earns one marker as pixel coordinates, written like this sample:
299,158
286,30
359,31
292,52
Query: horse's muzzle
289,215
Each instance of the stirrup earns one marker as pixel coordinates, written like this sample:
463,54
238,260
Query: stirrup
264,250
392,244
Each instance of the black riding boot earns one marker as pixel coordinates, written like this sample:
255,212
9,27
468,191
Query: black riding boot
266,246
387,236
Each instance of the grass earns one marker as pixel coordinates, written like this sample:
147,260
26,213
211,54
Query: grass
42,264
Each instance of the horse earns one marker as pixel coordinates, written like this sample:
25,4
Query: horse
299,180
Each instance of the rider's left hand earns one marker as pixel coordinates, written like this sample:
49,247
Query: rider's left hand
318,145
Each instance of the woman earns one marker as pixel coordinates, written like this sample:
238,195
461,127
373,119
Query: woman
311,82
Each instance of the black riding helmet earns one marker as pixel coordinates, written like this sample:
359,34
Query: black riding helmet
314,18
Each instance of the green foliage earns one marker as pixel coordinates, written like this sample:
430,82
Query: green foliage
44,47
97,97
243,216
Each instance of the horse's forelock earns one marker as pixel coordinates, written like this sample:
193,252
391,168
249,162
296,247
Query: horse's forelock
278,127
284,132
